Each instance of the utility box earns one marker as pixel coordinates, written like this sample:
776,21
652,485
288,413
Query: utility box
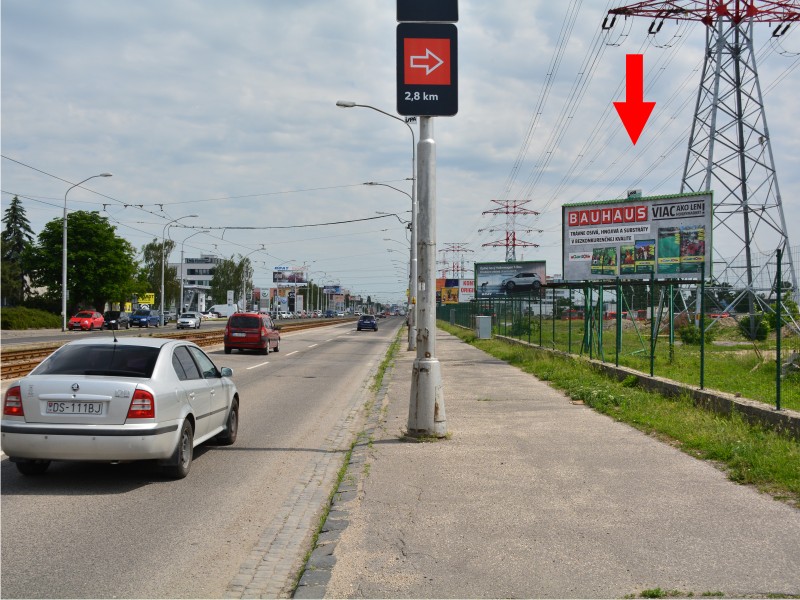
483,328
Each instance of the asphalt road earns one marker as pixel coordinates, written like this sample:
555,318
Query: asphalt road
98,530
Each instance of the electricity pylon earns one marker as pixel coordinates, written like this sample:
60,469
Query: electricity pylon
729,150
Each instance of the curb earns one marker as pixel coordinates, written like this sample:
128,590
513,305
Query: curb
314,581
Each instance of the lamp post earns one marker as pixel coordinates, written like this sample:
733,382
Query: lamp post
164,259
64,254
244,277
182,243
412,312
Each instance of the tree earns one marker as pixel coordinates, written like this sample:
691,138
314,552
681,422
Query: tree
17,237
100,266
227,276
150,274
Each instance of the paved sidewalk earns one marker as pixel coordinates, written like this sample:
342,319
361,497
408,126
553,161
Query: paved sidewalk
536,497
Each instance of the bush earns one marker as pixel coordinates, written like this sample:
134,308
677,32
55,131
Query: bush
762,328
20,317
789,306
690,335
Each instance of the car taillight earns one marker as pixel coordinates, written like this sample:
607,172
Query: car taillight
143,405
13,402
263,332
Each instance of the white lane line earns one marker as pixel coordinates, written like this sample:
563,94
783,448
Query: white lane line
258,365
295,352
313,345
330,340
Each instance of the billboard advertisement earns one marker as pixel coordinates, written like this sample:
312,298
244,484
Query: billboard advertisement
290,278
466,290
668,237
509,278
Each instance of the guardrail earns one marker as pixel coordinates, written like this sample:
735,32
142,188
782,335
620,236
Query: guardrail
18,362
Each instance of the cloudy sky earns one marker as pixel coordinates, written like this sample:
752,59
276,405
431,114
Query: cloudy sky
227,110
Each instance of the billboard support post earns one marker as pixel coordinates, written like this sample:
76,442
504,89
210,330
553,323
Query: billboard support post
426,414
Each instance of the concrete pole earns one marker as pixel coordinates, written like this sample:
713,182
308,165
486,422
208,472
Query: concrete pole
426,414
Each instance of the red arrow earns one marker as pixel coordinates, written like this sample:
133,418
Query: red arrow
634,112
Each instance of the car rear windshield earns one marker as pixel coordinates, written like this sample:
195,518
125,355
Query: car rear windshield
245,322
141,313
116,360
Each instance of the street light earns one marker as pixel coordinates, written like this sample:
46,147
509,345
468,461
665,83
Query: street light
182,243
244,276
412,311
164,259
64,254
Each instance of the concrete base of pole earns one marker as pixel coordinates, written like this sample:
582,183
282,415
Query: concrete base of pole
426,415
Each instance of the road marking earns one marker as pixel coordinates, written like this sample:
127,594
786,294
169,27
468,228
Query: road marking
330,340
258,365
313,345
295,352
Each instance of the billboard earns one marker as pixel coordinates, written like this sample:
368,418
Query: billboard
289,278
668,237
509,278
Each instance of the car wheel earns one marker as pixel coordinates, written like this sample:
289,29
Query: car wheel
228,435
265,349
127,325
227,350
181,460
32,467
510,286
147,324
277,347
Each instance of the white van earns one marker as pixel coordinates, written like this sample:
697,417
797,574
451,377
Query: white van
224,310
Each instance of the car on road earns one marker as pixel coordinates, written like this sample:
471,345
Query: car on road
116,400
329,314
251,331
527,280
189,320
367,322
86,320
144,317
117,319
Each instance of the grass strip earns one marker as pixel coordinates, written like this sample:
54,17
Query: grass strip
749,454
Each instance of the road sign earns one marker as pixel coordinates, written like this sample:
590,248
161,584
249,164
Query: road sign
427,69
427,11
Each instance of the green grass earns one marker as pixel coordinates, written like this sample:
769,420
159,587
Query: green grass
387,361
749,454
736,367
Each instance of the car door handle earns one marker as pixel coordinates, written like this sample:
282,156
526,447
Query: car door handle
213,392
191,395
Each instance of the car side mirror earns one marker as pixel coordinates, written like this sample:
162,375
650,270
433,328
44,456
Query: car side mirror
226,372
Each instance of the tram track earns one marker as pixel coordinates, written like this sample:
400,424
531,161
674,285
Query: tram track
18,362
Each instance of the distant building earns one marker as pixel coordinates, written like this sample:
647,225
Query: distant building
197,274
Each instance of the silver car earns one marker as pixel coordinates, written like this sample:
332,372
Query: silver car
109,400
522,281
189,320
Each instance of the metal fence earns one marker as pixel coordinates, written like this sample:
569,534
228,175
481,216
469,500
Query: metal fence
649,326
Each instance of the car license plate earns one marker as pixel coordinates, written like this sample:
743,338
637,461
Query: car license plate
237,334
74,408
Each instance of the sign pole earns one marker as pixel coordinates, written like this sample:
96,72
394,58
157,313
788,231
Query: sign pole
426,414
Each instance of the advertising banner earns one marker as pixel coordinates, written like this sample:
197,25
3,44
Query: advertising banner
666,236
290,278
466,290
509,278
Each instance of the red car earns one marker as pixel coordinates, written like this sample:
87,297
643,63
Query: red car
251,331
87,320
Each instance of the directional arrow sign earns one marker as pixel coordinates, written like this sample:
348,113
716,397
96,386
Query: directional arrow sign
427,71
430,62
634,112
